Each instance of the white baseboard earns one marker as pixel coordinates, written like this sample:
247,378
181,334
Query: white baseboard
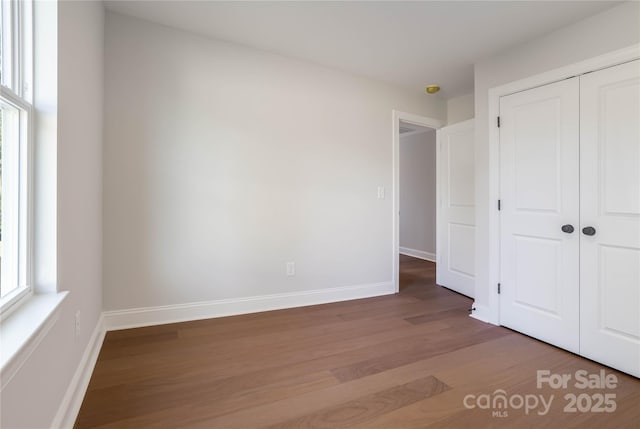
427,256
70,406
147,316
482,313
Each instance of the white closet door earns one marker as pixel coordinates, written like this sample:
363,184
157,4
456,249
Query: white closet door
455,268
539,161
610,203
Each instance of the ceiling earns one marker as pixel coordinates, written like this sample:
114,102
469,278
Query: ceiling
407,129
410,44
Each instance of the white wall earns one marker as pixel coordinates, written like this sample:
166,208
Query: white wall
460,108
418,192
33,396
223,162
613,29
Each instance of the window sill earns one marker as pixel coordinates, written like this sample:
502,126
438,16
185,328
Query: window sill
23,330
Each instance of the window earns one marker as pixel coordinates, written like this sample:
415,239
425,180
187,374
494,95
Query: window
15,150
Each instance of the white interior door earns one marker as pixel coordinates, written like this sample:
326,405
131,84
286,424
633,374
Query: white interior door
610,204
455,267
539,192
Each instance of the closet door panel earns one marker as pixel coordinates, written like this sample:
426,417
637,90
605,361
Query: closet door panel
539,192
610,203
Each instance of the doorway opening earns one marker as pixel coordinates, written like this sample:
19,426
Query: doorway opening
440,178
417,208
411,127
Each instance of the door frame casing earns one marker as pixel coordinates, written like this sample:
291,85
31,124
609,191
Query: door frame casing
490,311
423,121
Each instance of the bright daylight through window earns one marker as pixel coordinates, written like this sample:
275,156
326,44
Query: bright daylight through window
15,148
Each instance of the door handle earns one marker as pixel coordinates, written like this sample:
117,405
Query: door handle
567,228
589,230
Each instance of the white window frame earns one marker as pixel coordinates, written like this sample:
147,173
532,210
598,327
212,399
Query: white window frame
15,92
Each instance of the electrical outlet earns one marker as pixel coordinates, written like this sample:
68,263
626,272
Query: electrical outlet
291,269
77,323
381,192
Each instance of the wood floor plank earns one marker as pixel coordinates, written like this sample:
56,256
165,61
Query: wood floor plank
416,308
222,396
455,313
352,347
484,380
138,351
368,407
427,348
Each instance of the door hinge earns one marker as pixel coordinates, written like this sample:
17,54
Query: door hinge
498,121
498,288
499,205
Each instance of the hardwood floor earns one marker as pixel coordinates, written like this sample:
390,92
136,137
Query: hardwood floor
400,361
